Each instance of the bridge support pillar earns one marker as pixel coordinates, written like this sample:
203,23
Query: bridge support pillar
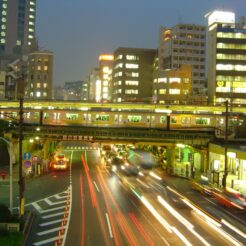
170,154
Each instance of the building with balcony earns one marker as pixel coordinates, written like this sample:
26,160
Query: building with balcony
226,58
184,44
132,74
39,75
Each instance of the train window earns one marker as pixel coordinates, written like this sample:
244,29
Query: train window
13,114
84,116
27,115
46,115
102,117
116,118
235,122
202,121
163,119
134,118
36,115
72,116
173,119
185,120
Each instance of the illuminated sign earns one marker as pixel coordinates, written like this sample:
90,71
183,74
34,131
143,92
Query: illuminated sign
221,17
106,57
220,83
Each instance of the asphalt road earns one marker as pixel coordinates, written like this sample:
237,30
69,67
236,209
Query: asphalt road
105,208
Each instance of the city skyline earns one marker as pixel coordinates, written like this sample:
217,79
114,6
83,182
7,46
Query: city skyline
94,27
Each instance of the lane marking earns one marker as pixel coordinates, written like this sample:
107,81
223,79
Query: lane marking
53,203
109,226
51,222
52,215
96,186
50,231
51,209
143,184
37,207
47,241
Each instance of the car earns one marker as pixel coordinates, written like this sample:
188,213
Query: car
60,162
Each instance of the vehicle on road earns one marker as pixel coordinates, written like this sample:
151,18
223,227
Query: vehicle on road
60,162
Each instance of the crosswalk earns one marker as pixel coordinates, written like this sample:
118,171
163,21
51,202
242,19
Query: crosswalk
54,215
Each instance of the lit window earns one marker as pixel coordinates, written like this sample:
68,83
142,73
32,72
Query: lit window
18,42
39,68
174,91
3,19
162,80
2,41
3,27
3,34
129,92
45,94
31,16
105,76
45,85
131,82
38,94
105,83
162,91
131,57
131,65
174,80
38,85
32,3
105,69
119,57
45,68
119,65
105,89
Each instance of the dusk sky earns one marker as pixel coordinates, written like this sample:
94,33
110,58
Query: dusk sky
77,31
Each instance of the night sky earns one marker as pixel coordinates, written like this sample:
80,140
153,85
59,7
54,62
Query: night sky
77,31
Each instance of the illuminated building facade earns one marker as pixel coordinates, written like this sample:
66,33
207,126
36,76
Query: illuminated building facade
132,74
39,75
93,80
103,86
2,84
226,58
173,86
17,25
184,44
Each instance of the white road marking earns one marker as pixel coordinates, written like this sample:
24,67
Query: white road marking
51,222
52,215
58,197
47,241
50,231
142,183
109,226
51,209
53,203
36,206
96,186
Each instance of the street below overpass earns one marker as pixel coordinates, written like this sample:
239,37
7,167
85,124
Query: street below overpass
107,208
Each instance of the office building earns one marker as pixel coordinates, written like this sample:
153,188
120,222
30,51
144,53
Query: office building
184,44
93,83
173,86
39,75
226,58
2,84
17,27
132,74
103,88
76,90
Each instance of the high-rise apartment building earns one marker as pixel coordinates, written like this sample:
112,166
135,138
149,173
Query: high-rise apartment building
103,87
132,74
17,26
226,58
184,44
39,75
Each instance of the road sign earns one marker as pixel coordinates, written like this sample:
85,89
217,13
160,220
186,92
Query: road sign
27,156
27,164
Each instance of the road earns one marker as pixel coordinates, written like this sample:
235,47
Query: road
104,208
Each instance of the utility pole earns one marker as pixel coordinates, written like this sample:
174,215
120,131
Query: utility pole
20,96
226,147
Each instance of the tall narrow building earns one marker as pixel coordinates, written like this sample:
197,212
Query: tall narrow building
184,44
226,58
17,26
